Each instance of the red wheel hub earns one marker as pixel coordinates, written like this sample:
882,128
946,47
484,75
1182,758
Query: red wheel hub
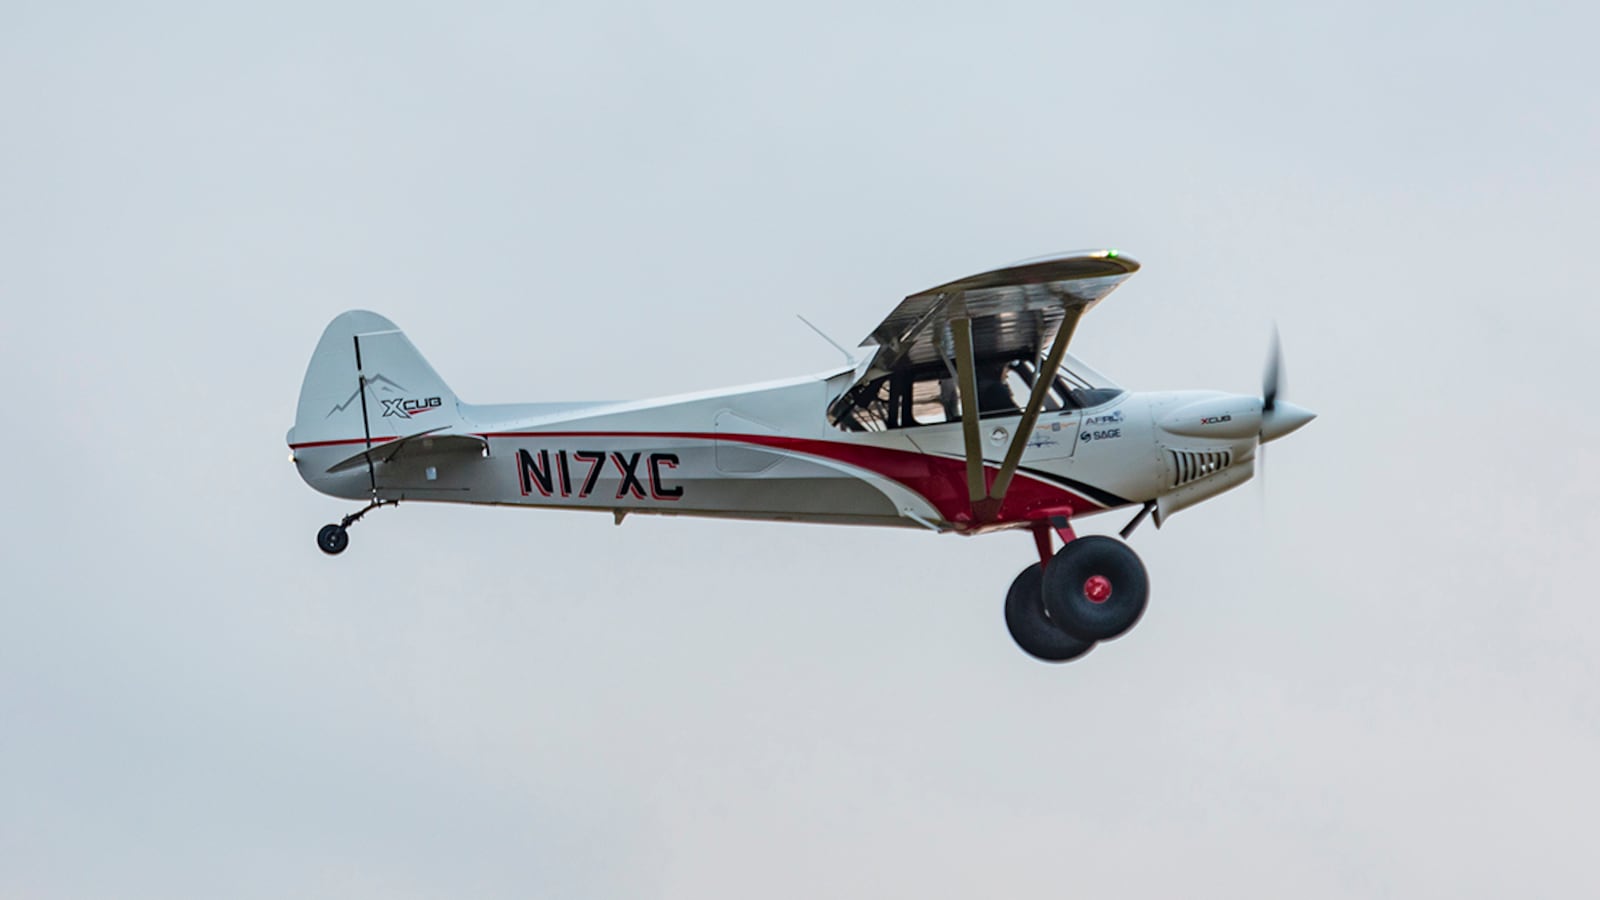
1097,588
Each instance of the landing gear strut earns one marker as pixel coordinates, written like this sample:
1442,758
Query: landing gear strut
333,539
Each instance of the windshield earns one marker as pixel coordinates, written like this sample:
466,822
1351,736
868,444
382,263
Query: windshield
929,396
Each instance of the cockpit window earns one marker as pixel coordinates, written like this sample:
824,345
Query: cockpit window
929,396
1088,398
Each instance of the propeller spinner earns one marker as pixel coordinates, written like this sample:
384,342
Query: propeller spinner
1278,418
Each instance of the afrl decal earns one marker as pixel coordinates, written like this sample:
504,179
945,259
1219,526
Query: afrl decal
1104,418
405,409
552,474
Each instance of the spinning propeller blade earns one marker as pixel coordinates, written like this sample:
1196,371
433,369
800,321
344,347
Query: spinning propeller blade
1272,377
1278,418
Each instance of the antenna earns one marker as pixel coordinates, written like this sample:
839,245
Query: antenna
820,333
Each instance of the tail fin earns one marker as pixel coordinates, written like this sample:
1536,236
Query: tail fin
366,380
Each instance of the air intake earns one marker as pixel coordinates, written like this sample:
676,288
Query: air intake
1193,465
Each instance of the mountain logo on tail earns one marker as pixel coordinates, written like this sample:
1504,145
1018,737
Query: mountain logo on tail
374,382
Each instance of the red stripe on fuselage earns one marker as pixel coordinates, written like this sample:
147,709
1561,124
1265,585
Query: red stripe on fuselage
939,480
340,443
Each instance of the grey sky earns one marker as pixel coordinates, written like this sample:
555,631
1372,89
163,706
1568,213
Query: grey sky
1377,679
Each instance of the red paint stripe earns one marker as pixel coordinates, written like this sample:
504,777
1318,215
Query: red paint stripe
939,480
341,443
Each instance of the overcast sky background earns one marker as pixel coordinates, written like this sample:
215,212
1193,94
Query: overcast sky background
1377,679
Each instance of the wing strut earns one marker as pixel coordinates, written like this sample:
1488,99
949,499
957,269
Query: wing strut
987,499
967,381
1042,380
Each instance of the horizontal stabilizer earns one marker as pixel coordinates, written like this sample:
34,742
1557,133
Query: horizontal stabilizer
412,446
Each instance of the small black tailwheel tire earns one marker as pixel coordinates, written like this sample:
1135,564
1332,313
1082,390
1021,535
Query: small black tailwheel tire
1096,588
332,539
1031,627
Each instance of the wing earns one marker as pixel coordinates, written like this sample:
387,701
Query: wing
1015,311
1012,313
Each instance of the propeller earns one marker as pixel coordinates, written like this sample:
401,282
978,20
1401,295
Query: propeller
1271,382
1278,417
1272,378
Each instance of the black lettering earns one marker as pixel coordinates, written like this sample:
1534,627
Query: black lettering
596,461
630,478
657,489
534,475
566,475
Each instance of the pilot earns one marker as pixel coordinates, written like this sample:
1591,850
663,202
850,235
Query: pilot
994,394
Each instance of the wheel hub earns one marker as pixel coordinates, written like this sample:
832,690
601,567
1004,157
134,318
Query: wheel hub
1097,589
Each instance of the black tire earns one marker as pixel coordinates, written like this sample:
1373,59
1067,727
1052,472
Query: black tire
1096,588
1031,628
332,539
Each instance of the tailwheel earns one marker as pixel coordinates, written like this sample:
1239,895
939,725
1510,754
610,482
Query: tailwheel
1095,588
1031,626
332,539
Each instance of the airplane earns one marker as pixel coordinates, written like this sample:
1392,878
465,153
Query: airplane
884,440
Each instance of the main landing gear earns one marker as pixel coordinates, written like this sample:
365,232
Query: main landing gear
1093,589
332,539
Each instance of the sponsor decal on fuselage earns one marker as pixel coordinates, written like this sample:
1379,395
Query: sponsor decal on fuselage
1109,418
643,476
1104,434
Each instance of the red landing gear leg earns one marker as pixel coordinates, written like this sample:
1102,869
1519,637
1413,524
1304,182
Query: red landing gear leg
1041,536
1041,539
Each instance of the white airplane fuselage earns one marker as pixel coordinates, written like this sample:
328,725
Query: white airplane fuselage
769,451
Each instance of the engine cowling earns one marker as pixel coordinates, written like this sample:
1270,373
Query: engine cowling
1220,417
